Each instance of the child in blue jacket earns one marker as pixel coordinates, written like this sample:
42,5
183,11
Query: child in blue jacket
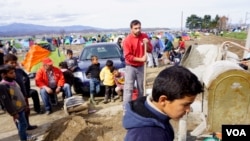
147,118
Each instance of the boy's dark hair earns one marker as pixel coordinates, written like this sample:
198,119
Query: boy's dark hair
109,63
93,56
63,65
9,57
113,69
69,51
134,22
119,38
4,69
178,82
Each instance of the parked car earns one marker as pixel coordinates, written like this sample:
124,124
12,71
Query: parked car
104,51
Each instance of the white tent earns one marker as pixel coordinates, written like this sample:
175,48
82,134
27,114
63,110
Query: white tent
78,41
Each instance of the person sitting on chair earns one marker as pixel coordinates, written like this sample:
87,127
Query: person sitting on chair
50,80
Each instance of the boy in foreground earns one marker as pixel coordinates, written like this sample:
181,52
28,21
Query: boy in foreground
147,118
23,80
13,100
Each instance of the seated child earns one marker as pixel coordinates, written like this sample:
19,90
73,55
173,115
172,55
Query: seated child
71,61
119,81
93,73
68,75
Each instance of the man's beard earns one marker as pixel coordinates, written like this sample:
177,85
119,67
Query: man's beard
137,33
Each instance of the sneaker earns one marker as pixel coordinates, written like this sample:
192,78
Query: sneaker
48,112
31,127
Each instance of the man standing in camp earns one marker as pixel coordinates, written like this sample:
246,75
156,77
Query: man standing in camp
135,57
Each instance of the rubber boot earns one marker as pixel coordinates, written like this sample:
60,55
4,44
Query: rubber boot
121,98
112,97
106,99
92,100
119,93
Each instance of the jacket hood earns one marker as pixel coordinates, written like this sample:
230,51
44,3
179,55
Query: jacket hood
132,119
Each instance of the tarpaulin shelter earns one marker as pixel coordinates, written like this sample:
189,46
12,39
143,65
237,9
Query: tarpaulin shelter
185,37
33,59
169,36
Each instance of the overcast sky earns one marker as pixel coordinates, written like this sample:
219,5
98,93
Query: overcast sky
119,13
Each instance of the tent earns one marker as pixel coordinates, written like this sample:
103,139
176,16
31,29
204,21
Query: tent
78,41
169,36
185,36
33,59
68,40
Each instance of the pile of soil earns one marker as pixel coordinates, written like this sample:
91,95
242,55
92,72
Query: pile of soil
104,125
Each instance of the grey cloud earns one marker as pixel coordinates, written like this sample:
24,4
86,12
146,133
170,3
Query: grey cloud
64,15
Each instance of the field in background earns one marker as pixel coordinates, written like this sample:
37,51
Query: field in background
236,35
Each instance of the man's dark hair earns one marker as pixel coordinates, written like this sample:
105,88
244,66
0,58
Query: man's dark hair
109,63
4,69
9,57
176,82
134,22
69,51
119,38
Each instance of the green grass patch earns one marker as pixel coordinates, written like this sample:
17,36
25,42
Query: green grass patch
236,35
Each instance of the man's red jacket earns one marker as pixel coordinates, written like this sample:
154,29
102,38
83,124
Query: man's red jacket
42,78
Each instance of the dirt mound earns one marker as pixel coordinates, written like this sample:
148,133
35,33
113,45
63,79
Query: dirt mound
101,126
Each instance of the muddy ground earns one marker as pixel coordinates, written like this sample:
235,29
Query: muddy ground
106,123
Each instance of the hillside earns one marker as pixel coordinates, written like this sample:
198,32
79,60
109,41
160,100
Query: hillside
21,29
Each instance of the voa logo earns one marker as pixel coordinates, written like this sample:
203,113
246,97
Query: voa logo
236,132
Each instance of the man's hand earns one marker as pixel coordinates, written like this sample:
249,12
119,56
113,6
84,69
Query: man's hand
58,89
144,58
48,90
16,116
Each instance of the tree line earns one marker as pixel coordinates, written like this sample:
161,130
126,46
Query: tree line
206,22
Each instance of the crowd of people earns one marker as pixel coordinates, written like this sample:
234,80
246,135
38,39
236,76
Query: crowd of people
150,114
15,89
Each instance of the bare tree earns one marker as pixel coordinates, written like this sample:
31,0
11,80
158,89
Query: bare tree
222,23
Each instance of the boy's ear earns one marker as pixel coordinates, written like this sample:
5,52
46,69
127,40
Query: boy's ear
162,100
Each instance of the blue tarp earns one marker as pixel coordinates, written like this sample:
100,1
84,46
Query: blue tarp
169,36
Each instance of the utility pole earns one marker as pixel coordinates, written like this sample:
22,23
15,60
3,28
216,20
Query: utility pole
246,18
181,19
